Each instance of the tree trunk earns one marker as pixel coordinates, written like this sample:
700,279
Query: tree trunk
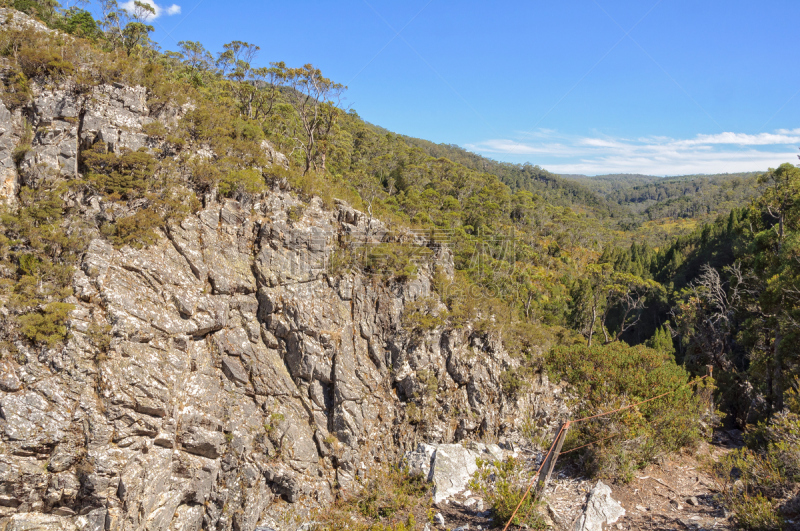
528,305
777,387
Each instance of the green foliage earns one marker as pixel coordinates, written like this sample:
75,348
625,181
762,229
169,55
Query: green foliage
392,491
16,90
504,484
36,61
46,326
606,378
746,480
247,181
513,383
120,177
429,380
81,23
756,513
534,252
45,250
779,439
154,129
100,337
387,502
661,341
393,261
137,230
423,314
295,213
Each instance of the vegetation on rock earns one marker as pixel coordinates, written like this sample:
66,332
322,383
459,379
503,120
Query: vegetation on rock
542,261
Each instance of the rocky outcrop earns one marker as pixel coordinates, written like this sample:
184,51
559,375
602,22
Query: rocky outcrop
237,371
9,180
64,121
228,366
13,19
274,157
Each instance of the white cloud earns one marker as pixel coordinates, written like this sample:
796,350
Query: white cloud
130,7
717,153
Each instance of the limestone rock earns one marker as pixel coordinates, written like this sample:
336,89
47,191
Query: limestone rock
9,382
9,180
601,510
275,157
449,466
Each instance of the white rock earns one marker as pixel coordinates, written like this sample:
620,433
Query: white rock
419,461
452,468
600,509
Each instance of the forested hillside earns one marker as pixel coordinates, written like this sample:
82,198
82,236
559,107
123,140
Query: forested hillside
624,287
688,196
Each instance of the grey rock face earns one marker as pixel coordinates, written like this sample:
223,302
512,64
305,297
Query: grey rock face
239,371
13,19
9,138
64,121
273,156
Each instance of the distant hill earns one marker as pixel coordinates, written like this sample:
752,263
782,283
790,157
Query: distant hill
634,198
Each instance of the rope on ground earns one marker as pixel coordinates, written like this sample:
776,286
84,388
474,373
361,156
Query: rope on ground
567,424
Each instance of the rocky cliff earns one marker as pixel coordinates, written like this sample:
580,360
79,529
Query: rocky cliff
228,370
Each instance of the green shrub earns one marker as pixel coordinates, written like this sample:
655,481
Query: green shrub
120,177
17,91
393,490
429,381
248,181
756,513
46,326
386,502
513,382
423,315
779,437
24,146
388,261
100,336
19,152
341,262
154,129
137,230
37,60
746,481
81,23
503,484
295,213
392,260
39,250
609,377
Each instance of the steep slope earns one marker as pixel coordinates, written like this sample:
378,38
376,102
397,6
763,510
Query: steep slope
226,365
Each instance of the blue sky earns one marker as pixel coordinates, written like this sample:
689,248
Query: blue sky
579,86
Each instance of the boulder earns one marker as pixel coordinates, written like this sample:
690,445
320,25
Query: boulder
449,466
601,510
